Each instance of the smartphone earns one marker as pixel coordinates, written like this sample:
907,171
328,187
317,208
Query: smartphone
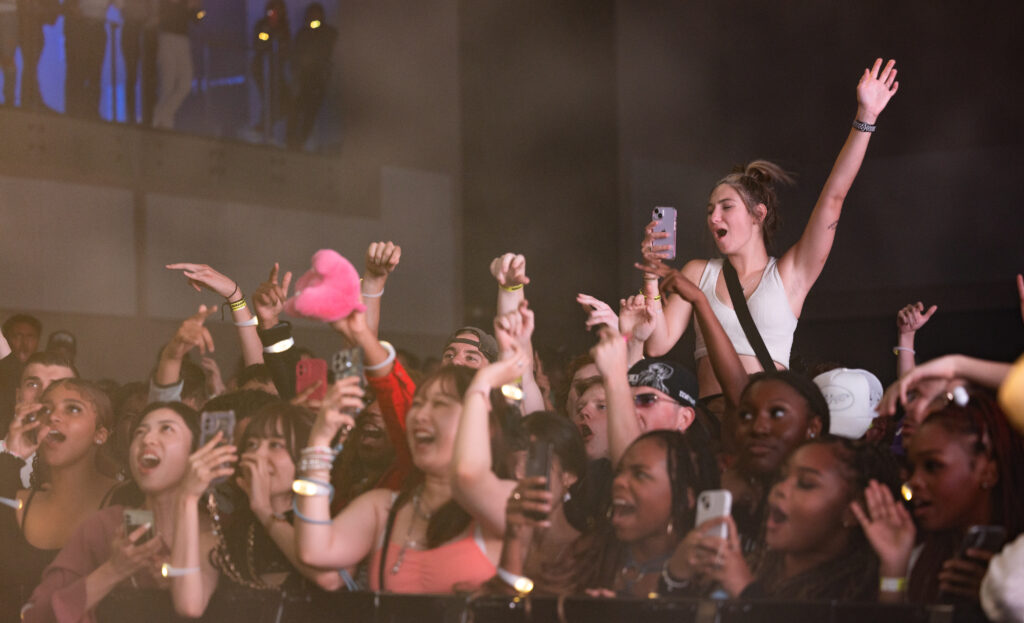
307,373
212,421
136,517
346,363
538,463
988,538
665,222
713,504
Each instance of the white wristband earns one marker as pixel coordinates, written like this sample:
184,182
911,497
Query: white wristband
168,571
373,296
280,347
252,322
391,357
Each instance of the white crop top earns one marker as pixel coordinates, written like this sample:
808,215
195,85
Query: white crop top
768,306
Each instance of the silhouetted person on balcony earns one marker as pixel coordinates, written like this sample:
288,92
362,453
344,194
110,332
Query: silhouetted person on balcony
311,69
85,44
32,16
271,40
138,45
173,59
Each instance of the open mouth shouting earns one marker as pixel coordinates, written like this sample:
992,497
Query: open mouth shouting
586,433
776,517
720,233
148,461
622,509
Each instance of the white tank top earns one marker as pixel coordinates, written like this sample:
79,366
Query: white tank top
768,306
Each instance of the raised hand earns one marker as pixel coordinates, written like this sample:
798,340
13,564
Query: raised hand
269,298
529,496
942,368
20,440
888,527
637,317
598,312
515,326
911,318
509,270
675,281
727,566
962,576
514,361
192,334
649,247
343,399
610,353
254,480
202,276
126,557
381,259
877,85
206,465
654,266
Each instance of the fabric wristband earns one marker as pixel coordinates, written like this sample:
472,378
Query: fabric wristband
892,585
279,347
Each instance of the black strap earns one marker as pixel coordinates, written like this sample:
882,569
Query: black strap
739,304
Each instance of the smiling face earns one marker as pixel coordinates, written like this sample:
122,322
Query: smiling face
69,432
642,493
591,418
431,424
809,505
772,419
158,455
730,222
949,480
374,447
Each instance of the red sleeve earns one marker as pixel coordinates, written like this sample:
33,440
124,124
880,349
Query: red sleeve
395,392
60,595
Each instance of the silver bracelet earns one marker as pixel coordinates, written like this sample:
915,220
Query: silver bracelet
860,126
671,583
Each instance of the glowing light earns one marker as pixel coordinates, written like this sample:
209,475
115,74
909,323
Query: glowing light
907,492
307,488
523,585
314,24
165,570
264,36
201,14
512,392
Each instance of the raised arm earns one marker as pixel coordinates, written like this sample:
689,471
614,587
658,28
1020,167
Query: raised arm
724,361
381,260
637,317
202,276
673,315
191,334
276,336
193,576
255,482
801,265
988,374
475,487
517,325
610,357
349,537
509,270
909,321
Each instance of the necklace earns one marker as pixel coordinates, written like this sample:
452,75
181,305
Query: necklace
632,571
409,541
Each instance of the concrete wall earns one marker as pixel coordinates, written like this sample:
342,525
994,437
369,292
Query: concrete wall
91,213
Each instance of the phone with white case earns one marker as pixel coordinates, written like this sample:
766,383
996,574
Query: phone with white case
713,504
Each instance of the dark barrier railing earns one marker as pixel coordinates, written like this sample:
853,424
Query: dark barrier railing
250,606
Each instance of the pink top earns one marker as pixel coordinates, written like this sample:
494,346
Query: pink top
61,594
458,565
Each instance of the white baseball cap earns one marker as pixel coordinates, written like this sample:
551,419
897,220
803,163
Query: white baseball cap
852,395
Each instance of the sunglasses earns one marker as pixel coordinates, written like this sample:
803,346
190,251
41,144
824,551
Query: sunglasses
645,399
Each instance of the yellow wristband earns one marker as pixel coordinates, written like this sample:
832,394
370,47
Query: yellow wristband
518,286
892,585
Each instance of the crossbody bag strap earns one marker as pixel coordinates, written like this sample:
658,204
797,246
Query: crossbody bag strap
739,304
